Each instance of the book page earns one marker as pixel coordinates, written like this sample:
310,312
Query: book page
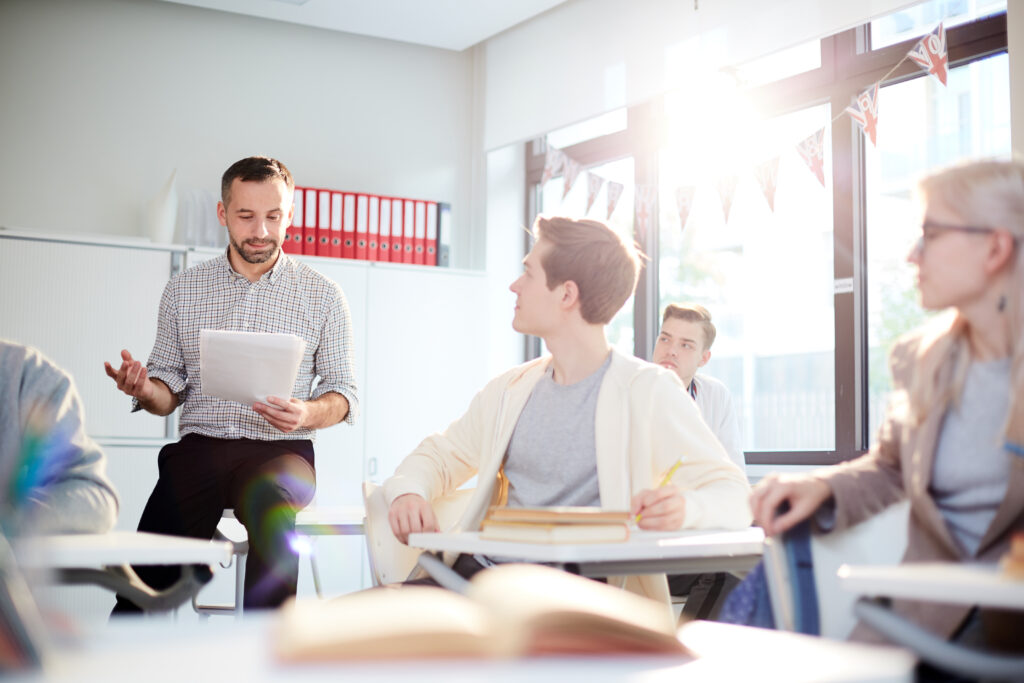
558,515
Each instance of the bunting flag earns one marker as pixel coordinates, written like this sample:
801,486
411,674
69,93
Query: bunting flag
930,53
684,200
865,113
572,171
726,189
594,183
614,192
553,161
644,207
812,150
767,175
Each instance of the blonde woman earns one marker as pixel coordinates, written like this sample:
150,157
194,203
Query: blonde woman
953,437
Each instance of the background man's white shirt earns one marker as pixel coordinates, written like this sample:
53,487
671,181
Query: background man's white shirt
716,408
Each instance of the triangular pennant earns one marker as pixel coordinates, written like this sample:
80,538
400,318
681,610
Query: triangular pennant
726,189
767,175
572,171
812,151
594,183
865,113
553,161
614,192
930,53
644,209
684,200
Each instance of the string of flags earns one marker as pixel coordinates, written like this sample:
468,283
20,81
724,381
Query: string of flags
929,53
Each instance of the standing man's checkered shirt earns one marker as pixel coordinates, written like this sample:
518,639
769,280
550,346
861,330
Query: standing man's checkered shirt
290,298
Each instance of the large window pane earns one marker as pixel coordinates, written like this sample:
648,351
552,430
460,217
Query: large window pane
918,20
922,125
574,205
766,275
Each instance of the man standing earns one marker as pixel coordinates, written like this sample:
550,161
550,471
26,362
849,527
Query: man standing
255,459
683,346
584,426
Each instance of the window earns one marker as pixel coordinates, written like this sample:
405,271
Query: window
928,126
765,275
807,297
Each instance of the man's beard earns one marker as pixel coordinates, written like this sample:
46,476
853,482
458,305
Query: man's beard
256,257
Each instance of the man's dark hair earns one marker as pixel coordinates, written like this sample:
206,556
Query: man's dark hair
254,169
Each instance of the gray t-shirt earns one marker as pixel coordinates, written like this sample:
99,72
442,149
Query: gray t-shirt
551,458
972,466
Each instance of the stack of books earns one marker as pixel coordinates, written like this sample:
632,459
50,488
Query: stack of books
556,525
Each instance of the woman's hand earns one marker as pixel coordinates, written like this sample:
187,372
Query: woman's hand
804,493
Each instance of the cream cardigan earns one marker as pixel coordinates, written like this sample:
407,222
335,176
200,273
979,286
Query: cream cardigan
645,422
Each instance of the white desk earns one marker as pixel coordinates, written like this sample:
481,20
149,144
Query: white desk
646,552
158,650
74,551
339,520
964,584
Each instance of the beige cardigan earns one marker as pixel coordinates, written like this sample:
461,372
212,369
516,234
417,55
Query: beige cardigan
900,464
645,421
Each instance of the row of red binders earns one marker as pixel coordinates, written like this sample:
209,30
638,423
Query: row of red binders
365,227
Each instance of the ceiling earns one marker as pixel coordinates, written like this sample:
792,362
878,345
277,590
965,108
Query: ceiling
449,24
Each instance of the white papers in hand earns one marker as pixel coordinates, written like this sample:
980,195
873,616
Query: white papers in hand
248,366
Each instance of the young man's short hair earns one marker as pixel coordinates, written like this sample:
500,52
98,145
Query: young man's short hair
694,313
254,169
604,267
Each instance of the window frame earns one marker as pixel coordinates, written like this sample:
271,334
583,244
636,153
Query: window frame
848,66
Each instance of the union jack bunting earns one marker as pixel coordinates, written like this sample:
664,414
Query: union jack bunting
767,175
614,192
571,172
644,201
812,151
726,189
684,200
930,53
594,183
553,161
865,113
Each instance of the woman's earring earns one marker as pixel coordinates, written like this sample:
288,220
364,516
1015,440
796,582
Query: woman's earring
1002,303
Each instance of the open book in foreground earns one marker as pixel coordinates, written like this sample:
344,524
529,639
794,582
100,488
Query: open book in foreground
555,525
509,610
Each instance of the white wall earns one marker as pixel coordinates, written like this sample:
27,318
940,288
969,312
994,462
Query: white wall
101,99
586,57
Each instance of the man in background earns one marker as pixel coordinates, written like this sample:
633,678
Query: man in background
53,474
256,459
683,346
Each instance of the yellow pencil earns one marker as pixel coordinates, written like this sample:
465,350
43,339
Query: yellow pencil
667,479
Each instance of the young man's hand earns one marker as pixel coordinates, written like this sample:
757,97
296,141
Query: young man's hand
410,514
660,509
286,415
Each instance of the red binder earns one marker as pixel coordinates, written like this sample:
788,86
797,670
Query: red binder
309,229
384,238
335,251
397,240
420,242
373,229
293,235
362,207
408,231
430,258
323,224
348,228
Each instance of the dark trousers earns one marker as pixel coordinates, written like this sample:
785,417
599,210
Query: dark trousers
705,593
265,482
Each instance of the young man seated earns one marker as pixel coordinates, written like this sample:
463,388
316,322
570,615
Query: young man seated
684,346
585,425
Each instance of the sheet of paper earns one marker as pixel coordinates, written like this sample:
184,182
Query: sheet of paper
248,366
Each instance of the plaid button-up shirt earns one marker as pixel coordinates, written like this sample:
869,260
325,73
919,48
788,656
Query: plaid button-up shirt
290,298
